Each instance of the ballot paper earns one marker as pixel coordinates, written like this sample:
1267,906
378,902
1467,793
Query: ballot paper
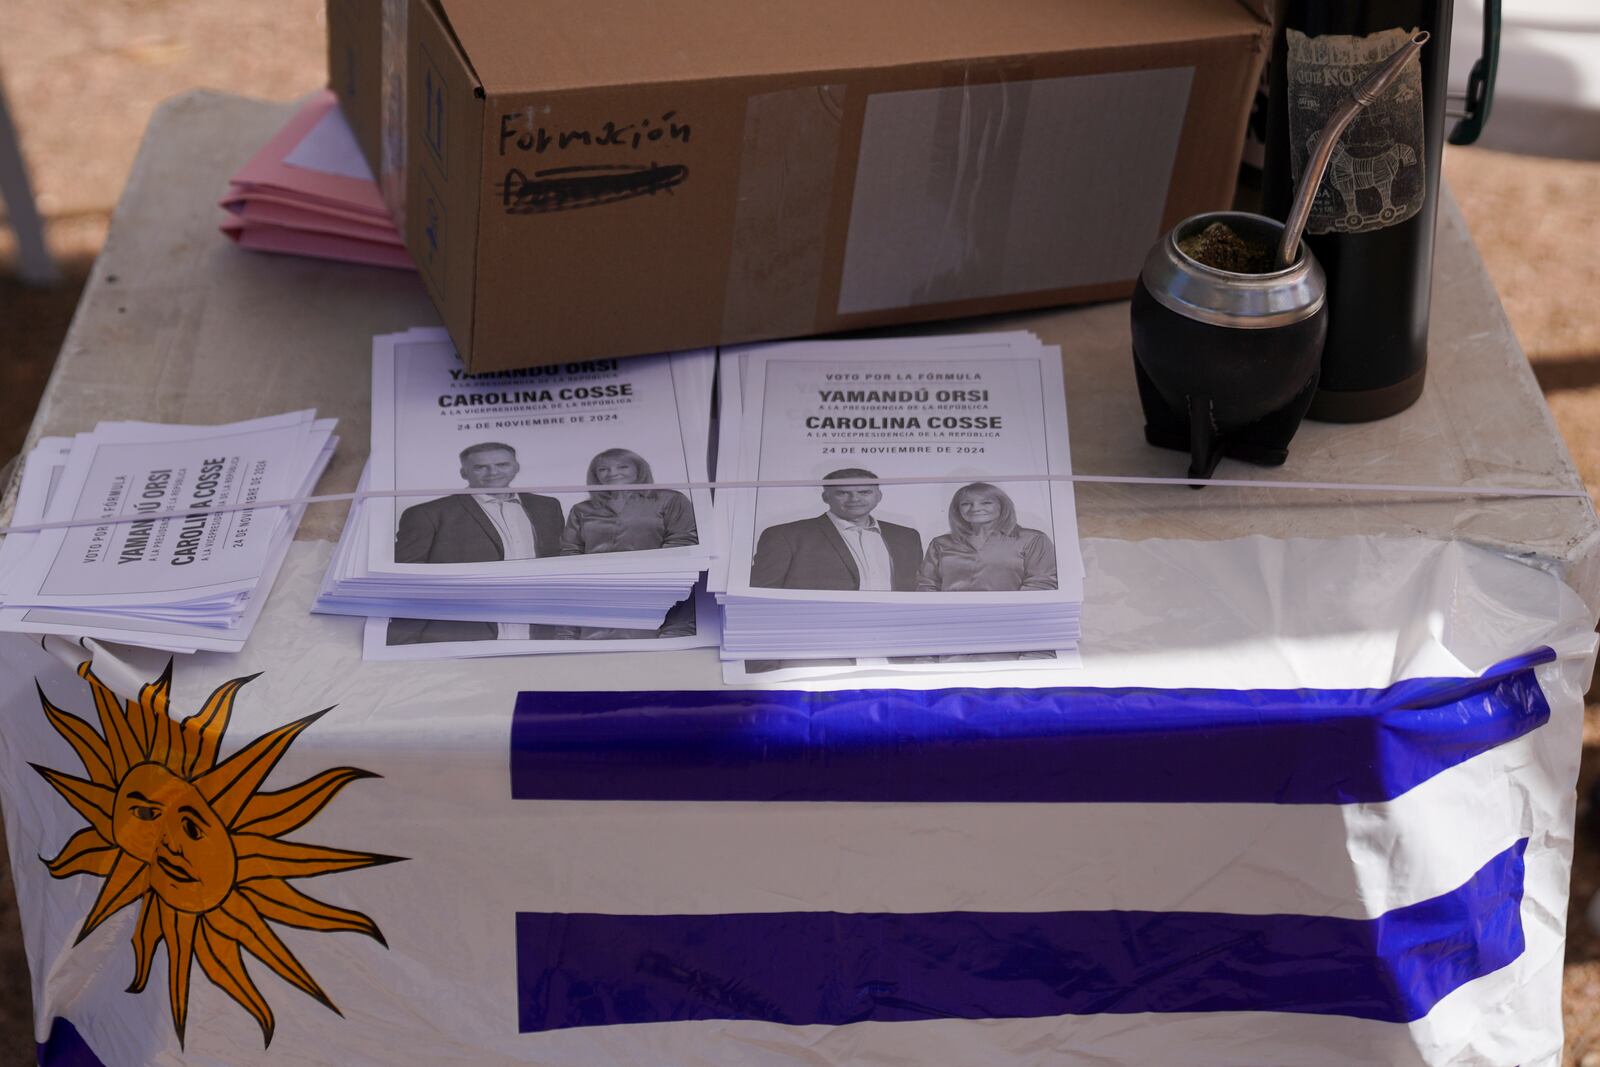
309,192
911,502
1022,669
693,623
540,496
41,472
183,567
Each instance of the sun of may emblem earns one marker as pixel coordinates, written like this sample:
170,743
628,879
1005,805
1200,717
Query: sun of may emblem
196,844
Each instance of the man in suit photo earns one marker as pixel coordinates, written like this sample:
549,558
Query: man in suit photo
843,548
485,527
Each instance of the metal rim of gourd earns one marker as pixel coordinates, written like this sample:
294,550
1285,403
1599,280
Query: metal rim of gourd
1227,298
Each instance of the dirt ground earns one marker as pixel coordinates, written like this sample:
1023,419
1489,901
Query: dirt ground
83,75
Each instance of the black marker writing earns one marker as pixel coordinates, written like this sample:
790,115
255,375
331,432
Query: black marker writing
541,139
566,188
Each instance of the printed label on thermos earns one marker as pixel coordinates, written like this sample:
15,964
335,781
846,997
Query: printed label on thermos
1376,177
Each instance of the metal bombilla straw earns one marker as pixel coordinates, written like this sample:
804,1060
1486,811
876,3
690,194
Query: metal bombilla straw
1371,87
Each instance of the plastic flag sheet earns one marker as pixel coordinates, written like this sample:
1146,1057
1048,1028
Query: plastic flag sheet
1311,804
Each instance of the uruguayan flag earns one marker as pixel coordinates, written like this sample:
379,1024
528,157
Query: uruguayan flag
1311,806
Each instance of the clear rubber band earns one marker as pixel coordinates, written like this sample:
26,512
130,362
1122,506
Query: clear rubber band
1507,492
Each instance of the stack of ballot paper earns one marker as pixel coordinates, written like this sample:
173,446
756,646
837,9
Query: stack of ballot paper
309,192
905,511
530,510
154,549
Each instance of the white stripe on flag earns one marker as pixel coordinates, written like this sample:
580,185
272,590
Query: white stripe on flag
714,857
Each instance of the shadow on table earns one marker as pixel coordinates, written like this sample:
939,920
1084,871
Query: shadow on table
33,323
16,994
1566,373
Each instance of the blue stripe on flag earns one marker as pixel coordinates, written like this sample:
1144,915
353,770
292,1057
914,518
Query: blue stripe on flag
1306,746
833,968
66,1047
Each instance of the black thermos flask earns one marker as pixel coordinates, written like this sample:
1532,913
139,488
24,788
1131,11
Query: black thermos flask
1372,223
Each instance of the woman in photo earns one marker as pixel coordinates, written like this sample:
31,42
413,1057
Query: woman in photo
985,550
627,520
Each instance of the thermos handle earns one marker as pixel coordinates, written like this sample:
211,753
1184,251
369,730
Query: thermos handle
1480,84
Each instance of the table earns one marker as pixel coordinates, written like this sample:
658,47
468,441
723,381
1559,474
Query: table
686,874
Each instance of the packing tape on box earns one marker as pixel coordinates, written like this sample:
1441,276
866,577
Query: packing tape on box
1474,491
960,192
1017,185
392,110
780,228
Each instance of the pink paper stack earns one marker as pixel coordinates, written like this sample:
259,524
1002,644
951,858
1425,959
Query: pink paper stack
309,192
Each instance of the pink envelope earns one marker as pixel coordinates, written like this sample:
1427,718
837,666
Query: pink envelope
267,169
320,246
258,212
239,195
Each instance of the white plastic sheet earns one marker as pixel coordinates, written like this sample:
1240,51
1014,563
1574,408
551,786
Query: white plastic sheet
446,987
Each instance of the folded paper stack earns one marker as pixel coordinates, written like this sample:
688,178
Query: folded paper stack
912,505
309,192
529,511
153,547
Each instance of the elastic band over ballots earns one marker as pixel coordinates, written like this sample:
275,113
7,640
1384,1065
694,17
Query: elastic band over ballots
1507,492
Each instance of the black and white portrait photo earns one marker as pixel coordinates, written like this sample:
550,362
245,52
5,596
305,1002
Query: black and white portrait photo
627,520
485,527
488,526
845,547
986,550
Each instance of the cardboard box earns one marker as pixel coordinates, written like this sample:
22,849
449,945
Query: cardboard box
596,178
